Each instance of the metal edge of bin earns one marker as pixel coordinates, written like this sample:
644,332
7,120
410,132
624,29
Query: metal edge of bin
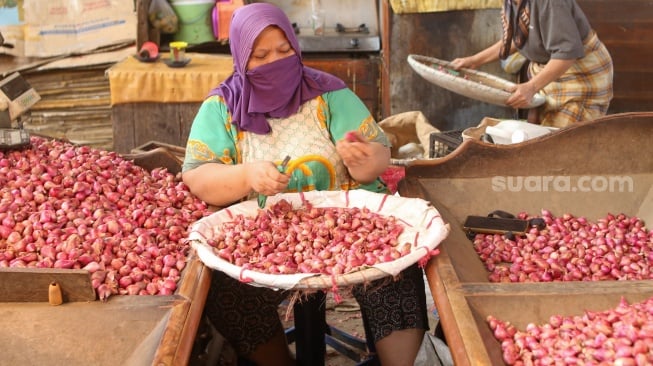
446,287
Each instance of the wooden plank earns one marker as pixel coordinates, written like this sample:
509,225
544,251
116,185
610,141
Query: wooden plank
622,11
386,24
186,116
75,106
160,122
626,29
360,74
31,284
176,342
122,118
156,121
136,124
142,23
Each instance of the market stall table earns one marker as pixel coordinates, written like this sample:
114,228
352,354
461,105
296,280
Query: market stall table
152,101
614,148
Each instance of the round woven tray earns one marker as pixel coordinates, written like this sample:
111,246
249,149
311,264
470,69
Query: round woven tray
424,228
470,83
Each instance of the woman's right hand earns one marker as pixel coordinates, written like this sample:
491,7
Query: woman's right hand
264,178
478,59
466,62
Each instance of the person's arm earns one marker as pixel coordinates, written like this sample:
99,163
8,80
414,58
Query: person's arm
209,169
481,58
222,184
523,93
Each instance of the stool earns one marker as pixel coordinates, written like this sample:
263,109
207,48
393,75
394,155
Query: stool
312,333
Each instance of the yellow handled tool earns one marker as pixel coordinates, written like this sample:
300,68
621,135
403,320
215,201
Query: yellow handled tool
281,167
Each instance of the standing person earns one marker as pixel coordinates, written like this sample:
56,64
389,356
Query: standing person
273,106
568,62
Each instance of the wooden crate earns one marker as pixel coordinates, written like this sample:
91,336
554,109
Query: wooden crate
461,184
522,304
125,330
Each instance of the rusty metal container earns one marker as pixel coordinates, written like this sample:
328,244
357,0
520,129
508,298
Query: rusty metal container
589,169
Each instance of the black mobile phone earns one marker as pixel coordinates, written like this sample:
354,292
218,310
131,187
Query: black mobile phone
495,225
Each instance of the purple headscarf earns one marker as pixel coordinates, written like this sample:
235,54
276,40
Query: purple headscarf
251,95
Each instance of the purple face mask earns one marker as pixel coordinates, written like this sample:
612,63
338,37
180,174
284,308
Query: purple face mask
276,89
270,92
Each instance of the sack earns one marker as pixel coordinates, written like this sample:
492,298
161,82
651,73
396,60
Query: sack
221,17
163,17
405,128
433,352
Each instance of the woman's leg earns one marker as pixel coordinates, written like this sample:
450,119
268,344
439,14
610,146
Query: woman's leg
274,352
400,347
395,314
248,318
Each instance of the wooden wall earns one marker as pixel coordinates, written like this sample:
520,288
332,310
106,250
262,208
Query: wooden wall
625,26
626,29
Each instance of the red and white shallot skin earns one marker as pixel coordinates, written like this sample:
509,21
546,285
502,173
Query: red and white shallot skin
331,240
67,206
569,248
619,336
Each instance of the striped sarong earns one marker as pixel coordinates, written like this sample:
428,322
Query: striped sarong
583,92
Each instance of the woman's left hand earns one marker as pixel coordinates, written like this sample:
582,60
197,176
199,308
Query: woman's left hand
365,160
354,149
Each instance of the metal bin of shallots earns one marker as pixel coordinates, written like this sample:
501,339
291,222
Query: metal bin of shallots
94,268
586,195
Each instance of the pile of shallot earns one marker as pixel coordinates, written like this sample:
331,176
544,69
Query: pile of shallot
330,240
67,206
619,336
569,248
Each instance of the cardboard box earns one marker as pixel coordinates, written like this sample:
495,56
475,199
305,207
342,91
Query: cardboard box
62,27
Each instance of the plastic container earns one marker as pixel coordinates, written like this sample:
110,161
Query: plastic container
178,51
195,20
514,131
149,51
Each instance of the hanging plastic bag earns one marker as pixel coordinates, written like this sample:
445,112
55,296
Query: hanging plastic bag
163,17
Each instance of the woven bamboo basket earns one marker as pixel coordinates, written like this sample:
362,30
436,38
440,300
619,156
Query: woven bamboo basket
470,83
425,229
